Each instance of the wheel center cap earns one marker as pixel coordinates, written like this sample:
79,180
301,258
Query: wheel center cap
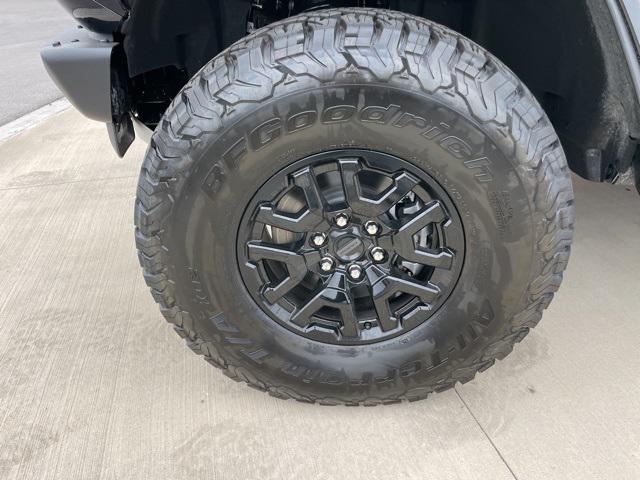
348,248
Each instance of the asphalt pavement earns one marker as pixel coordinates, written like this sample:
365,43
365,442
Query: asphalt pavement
26,26
95,385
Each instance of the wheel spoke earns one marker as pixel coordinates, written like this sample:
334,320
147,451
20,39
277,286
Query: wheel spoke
302,223
306,180
405,245
335,295
403,183
306,220
437,257
390,285
296,268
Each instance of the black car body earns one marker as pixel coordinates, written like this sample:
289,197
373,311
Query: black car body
128,58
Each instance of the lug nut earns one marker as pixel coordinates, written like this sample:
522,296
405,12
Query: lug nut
372,228
318,239
378,254
342,220
355,272
326,264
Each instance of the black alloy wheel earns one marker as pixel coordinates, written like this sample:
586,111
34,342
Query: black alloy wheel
351,247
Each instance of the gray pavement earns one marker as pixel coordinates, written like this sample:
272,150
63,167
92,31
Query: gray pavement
25,26
94,384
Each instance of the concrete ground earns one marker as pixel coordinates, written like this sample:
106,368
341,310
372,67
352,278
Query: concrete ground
94,384
25,27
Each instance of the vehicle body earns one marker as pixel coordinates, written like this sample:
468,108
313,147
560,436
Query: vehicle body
589,87
387,198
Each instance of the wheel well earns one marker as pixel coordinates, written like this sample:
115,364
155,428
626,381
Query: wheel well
566,51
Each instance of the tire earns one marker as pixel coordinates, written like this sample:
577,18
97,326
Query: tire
373,82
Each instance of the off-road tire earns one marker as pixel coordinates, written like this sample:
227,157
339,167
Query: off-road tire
515,200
